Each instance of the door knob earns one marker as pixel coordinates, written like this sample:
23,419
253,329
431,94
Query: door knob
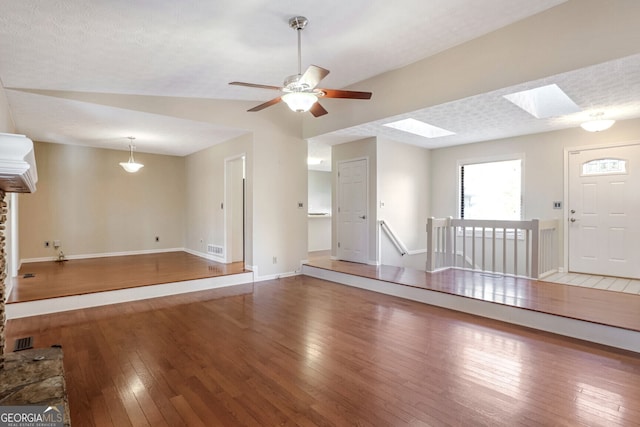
573,211
363,217
572,219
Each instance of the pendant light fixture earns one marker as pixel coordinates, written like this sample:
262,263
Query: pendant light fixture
597,124
131,166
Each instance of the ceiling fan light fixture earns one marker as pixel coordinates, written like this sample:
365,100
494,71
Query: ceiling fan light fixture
300,101
131,165
597,125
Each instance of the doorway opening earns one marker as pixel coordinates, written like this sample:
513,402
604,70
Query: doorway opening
234,209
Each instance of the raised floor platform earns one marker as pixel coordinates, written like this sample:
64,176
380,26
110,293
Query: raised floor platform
50,287
600,316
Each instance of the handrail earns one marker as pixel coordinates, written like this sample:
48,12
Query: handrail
394,239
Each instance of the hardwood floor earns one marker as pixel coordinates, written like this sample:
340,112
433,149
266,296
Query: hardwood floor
76,277
302,351
594,305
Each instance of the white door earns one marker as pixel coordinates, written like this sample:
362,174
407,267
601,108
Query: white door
353,238
604,211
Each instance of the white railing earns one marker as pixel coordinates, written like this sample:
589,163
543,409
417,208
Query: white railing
518,248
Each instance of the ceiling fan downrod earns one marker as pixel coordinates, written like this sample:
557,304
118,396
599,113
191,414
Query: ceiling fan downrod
298,23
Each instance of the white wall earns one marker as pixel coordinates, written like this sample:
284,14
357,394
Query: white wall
205,192
89,203
280,226
543,162
6,122
404,188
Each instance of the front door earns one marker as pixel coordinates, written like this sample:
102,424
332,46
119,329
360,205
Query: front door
604,211
353,221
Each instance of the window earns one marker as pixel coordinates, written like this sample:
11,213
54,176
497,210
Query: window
491,190
604,167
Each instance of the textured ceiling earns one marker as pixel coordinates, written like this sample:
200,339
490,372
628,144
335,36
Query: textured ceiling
194,48
611,88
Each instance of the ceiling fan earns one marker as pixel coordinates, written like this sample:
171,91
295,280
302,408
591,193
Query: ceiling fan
300,91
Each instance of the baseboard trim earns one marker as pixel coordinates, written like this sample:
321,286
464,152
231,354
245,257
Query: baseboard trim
204,255
103,255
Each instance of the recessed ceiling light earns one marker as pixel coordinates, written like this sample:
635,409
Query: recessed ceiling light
417,127
544,102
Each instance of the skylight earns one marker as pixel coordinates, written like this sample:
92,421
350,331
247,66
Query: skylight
544,102
417,127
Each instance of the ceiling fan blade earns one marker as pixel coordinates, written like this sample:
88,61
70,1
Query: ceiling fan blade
313,75
317,110
256,85
265,105
333,93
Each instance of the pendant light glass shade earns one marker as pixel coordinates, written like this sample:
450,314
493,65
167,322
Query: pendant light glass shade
131,166
300,101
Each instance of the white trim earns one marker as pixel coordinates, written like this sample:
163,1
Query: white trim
276,276
602,334
105,255
8,287
210,257
14,250
55,305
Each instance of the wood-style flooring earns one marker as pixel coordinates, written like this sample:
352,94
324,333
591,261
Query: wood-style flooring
593,305
43,280
303,351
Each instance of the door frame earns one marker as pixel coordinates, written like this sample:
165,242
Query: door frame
565,209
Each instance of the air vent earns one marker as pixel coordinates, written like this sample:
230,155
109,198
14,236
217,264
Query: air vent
23,344
215,250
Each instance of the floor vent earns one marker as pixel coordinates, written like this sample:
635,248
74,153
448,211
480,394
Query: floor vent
23,344
215,250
